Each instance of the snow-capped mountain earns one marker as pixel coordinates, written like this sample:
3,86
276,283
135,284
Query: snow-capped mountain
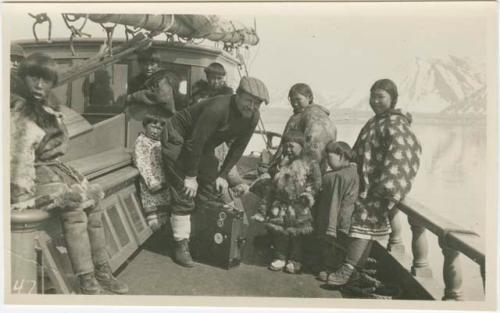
447,85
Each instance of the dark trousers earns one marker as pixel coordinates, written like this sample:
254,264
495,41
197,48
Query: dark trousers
287,247
173,159
333,251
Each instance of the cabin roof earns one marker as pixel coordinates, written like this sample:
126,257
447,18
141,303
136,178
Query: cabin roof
160,44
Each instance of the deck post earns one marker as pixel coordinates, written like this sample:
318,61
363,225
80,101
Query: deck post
24,265
452,273
420,250
395,243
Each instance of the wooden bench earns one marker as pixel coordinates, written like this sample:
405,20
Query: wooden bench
39,238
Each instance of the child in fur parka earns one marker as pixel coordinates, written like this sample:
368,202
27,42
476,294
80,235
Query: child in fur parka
38,179
287,204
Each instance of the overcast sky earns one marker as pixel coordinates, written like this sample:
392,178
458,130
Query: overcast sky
335,47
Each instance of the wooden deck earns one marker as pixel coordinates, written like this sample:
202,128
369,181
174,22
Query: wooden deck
152,272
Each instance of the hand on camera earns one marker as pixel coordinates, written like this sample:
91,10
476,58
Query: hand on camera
221,184
190,186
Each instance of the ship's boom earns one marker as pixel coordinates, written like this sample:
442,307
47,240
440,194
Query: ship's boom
211,27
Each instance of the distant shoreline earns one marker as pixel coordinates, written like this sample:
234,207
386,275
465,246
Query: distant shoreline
281,115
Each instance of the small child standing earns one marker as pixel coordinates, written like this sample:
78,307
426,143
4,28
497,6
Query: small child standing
287,205
155,196
335,205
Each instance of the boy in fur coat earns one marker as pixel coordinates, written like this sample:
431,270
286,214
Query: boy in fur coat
40,180
286,209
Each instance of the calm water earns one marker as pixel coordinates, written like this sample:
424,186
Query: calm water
451,181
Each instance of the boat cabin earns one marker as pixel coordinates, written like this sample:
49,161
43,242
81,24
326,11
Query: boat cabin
101,138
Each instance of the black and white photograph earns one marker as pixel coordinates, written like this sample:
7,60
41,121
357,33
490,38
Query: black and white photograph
329,155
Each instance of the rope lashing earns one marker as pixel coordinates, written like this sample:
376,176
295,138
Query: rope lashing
75,32
131,32
40,19
260,125
109,36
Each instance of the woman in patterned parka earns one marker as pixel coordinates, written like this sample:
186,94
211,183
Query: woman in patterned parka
387,153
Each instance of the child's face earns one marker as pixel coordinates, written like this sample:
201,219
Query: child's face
149,67
38,87
293,149
336,161
154,129
216,81
15,61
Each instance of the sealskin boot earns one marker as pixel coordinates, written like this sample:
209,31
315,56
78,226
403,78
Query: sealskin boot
345,274
181,253
89,285
109,282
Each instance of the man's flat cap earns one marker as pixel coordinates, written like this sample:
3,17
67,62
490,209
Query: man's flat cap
254,87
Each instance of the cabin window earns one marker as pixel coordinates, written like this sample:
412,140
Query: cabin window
103,92
97,96
182,72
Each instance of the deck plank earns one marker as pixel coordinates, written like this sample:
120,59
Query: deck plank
152,272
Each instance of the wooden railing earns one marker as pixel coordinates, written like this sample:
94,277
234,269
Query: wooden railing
453,241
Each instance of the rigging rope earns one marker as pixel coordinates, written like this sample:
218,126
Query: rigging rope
260,125
109,36
40,19
74,31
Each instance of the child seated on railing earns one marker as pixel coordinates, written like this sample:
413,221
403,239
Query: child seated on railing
286,209
335,206
154,193
40,180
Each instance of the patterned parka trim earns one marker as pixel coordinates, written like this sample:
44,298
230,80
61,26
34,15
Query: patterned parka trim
148,160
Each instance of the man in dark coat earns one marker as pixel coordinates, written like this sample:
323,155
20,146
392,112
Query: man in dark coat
188,148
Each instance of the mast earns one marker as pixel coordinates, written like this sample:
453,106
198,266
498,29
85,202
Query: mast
211,27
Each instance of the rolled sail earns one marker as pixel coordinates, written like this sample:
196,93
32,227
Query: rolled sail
211,27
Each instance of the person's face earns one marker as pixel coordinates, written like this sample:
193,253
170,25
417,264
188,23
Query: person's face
38,87
247,104
299,102
216,81
149,67
154,129
380,101
336,161
15,61
293,149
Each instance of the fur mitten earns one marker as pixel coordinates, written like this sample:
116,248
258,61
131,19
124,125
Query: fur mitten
307,199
